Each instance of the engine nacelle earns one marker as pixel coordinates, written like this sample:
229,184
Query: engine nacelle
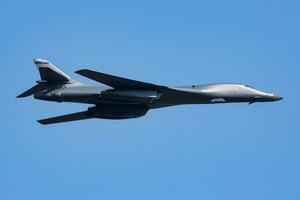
117,111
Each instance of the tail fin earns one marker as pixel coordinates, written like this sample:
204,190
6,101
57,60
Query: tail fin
49,73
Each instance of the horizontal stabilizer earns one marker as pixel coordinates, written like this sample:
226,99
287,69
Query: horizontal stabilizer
37,88
65,118
118,82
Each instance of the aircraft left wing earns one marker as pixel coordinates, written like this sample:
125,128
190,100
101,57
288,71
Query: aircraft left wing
65,118
119,82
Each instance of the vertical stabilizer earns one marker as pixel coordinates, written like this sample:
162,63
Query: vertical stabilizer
49,73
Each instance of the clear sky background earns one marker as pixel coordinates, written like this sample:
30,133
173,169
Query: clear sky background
206,152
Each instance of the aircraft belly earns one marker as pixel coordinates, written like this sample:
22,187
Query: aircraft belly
117,111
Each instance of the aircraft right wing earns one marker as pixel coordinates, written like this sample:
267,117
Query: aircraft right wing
119,82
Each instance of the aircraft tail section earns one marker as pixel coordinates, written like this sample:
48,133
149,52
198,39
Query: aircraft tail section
49,73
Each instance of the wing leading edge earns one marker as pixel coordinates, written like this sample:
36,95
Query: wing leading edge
119,82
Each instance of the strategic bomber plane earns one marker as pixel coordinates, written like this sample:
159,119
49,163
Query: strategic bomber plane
121,98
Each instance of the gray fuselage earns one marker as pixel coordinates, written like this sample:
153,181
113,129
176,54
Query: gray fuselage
200,94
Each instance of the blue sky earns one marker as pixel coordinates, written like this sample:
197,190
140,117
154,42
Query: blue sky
207,152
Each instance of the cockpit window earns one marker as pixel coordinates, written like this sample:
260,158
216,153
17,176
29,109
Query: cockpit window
248,86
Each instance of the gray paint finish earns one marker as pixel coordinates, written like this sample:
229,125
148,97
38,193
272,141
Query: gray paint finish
121,98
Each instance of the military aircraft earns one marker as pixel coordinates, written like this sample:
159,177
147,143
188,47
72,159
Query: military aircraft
121,98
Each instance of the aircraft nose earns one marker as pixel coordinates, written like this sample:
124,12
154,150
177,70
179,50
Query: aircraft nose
276,97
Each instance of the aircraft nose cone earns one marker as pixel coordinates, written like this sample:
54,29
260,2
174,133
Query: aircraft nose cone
276,97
